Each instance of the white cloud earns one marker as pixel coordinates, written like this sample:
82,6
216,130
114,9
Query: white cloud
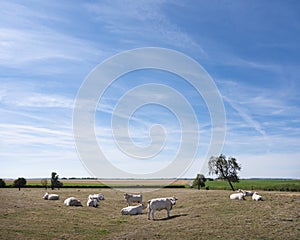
26,135
45,101
17,94
30,38
19,47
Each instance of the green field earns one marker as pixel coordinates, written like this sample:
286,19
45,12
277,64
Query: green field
260,184
246,184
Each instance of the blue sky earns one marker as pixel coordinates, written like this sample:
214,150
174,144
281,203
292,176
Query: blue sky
249,48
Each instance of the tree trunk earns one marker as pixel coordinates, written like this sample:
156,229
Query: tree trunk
230,184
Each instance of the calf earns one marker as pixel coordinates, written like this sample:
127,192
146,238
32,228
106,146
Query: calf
130,198
92,202
160,204
257,197
238,196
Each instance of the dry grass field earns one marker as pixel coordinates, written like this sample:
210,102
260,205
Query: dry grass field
197,215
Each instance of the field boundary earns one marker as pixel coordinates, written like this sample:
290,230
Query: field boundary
246,184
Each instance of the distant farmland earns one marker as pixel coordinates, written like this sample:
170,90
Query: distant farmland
249,184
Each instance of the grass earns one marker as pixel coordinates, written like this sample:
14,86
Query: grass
197,215
261,184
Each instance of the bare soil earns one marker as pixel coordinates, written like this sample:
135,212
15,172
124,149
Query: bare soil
197,215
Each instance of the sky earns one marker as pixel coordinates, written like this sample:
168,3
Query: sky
250,50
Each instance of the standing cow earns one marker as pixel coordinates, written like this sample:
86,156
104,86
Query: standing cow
158,204
131,198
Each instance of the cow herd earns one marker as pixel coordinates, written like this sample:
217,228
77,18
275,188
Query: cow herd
241,194
135,204
157,204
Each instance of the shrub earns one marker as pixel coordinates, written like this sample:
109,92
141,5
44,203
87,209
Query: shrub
2,183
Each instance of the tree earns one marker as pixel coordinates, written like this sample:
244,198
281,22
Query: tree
2,183
199,181
55,183
44,183
225,168
20,182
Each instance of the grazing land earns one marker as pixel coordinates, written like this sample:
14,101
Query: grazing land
197,215
257,184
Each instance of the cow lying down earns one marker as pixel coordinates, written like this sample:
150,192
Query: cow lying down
132,210
48,196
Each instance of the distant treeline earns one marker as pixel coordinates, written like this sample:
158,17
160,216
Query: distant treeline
246,184
101,186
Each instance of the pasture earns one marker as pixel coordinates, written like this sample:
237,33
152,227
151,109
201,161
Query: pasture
197,215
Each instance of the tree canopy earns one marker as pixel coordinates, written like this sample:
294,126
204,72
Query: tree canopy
199,181
225,168
20,182
55,183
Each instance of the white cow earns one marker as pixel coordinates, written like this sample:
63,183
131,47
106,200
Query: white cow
160,204
131,198
247,193
71,201
257,197
132,210
48,196
92,202
99,196
237,196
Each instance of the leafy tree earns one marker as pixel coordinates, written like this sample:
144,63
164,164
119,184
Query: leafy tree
226,169
199,181
55,183
20,182
2,183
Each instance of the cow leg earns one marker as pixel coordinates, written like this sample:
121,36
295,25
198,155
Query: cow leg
153,214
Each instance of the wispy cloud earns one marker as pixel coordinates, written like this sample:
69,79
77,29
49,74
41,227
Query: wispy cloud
20,95
259,122
13,133
47,48
29,37
38,100
20,47
142,20
247,117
